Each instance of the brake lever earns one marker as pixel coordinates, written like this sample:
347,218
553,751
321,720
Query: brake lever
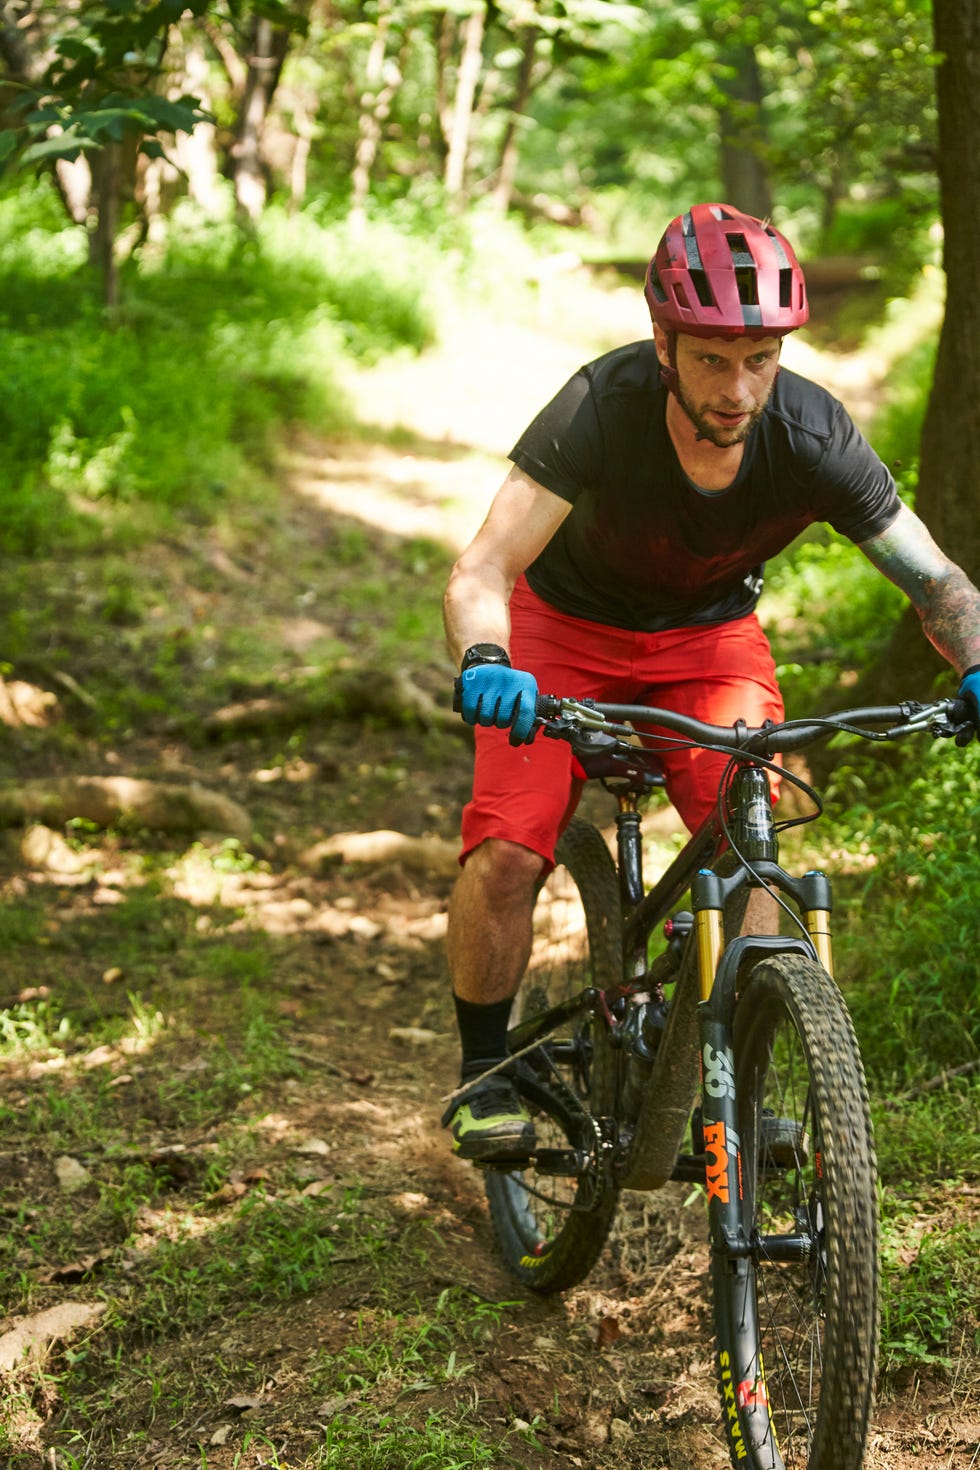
947,722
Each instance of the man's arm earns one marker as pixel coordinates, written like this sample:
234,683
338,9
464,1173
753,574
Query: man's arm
521,521
940,591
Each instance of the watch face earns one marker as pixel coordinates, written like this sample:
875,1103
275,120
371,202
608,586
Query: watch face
484,653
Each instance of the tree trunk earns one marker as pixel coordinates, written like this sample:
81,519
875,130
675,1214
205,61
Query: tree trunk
510,149
948,496
196,153
948,499
745,182
107,193
268,51
381,81
467,77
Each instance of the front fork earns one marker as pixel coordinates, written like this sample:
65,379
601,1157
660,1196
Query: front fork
740,1368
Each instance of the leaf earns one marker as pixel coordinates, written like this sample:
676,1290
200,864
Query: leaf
607,1331
234,1189
73,49
75,1270
318,1187
65,146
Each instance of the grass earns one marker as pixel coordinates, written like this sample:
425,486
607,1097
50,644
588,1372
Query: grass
112,422
930,1316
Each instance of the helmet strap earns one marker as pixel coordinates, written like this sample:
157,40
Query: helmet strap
668,375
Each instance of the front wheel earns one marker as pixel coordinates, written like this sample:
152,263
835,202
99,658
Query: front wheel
553,1214
796,1302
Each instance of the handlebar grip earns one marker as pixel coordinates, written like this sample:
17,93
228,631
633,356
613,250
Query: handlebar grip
959,712
457,695
547,707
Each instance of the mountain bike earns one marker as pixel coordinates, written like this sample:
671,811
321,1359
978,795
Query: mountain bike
718,1057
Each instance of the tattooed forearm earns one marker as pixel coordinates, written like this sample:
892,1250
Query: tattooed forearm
951,618
941,593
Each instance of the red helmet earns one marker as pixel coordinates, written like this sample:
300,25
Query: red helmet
720,273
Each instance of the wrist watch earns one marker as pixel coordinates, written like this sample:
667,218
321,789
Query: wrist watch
484,653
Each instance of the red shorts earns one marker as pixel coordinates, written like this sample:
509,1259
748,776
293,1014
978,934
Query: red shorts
719,673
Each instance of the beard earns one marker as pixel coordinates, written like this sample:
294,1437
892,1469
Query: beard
717,434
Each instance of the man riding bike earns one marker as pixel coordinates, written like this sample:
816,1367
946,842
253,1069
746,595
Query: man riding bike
622,560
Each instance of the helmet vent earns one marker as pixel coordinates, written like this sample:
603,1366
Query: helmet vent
747,284
699,281
656,285
741,254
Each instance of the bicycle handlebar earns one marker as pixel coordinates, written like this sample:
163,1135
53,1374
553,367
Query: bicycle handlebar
942,718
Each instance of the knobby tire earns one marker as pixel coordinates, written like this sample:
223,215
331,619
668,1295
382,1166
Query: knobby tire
808,1171
551,1230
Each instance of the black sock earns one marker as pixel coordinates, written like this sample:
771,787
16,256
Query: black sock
482,1034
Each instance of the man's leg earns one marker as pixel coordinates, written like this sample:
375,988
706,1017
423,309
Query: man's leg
490,921
761,913
522,799
719,674
489,943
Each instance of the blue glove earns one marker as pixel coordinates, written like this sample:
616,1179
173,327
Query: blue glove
969,692
492,693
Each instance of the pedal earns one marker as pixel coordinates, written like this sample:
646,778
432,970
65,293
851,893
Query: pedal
560,1162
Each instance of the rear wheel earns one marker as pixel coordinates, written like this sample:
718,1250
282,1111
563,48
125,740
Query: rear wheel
552,1214
809,1281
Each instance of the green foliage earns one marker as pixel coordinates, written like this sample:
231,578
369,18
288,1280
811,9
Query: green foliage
222,341
930,1289
440,1444
618,107
98,87
912,980
898,424
930,1137
847,108
828,611
907,337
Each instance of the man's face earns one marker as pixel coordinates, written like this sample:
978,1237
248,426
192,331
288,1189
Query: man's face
723,384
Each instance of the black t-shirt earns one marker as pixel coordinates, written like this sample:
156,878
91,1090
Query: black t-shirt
643,547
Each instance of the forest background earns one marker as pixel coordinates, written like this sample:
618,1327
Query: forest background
226,229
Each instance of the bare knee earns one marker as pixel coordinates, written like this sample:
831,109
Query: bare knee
505,872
